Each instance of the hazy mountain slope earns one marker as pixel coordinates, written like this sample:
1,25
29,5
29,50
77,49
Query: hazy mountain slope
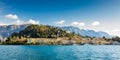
7,30
83,32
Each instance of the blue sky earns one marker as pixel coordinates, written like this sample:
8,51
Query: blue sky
99,15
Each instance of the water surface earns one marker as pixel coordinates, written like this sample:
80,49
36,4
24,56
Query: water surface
88,52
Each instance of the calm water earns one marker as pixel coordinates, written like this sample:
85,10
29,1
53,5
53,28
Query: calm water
89,52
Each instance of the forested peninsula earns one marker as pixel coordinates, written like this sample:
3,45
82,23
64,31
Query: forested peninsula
51,35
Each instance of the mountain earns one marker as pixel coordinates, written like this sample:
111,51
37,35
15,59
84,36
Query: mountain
51,35
42,31
7,30
83,32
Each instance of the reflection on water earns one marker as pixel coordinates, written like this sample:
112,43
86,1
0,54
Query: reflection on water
89,52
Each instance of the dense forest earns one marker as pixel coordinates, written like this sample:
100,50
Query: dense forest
41,31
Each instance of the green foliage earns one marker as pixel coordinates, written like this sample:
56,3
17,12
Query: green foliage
116,38
40,31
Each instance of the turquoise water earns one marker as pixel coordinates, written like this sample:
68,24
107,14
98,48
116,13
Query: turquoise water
88,52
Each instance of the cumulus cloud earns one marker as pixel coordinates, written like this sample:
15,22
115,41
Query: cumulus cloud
74,23
60,22
1,23
17,21
78,24
116,30
81,24
31,21
95,23
11,16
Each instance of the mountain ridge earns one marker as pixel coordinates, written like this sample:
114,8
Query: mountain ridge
84,32
7,30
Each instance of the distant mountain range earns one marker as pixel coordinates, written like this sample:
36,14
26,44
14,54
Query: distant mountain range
7,30
83,32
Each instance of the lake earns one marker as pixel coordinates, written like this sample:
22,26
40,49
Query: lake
72,52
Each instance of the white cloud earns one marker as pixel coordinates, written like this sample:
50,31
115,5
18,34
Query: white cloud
95,23
31,21
116,30
11,16
60,22
74,23
78,24
81,24
18,22
1,23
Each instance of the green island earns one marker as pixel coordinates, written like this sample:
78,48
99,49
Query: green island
50,35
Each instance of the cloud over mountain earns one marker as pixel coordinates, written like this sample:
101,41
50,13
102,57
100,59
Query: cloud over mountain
78,23
1,23
60,22
31,21
95,23
11,16
17,21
